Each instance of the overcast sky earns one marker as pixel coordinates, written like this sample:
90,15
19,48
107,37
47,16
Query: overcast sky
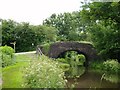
35,11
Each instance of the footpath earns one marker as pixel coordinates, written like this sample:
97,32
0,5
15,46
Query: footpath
25,53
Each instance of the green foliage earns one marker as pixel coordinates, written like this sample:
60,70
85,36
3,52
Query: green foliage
27,36
62,60
31,36
72,63
7,50
46,47
111,65
105,39
98,64
7,56
44,73
103,27
8,32
81,59
64,66
73,58
63,63
69,25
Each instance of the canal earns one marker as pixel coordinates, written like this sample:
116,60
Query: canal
92,79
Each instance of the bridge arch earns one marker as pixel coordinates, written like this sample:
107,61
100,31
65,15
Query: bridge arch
82,48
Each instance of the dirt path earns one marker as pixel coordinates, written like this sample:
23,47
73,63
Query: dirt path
25,53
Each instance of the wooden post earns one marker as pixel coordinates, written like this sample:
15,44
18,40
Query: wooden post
13,44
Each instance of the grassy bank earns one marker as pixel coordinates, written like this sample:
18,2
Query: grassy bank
12,75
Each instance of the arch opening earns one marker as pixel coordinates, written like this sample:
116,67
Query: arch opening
75,55
76,61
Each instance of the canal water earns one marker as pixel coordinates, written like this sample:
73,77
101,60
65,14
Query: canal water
92,79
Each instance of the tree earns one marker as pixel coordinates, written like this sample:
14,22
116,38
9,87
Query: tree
26,36
104,27
8,32
45,33
69,26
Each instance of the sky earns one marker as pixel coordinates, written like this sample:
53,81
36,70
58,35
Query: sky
35,11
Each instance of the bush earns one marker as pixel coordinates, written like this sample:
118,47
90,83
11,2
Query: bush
72,58
64,66
46,47
111,65
98,64
62,60
7,55
44,73
81,59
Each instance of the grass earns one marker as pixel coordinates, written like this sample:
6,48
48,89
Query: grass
0,71
12,75
24,57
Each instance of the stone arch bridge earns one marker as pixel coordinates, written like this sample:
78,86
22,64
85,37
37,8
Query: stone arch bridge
56,49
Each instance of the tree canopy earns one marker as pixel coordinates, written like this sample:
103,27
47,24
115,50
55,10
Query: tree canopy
104,27
26,36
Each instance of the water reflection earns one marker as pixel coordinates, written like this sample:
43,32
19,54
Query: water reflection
80,77
91,79
114,78
75,71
